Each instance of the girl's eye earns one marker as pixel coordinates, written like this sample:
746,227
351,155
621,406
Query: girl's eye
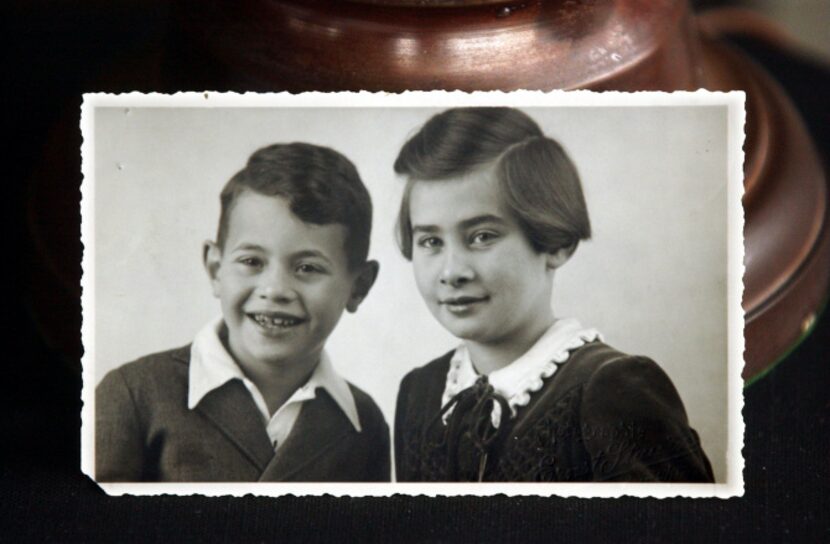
429,242
483,237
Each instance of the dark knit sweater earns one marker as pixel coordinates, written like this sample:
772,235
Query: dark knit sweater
602,416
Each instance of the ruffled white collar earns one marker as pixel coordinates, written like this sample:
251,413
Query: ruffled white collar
524,376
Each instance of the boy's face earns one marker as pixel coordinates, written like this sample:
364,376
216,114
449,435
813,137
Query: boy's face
283,283
474,267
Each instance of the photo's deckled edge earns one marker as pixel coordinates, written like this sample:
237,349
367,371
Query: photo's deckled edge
734,101
87,207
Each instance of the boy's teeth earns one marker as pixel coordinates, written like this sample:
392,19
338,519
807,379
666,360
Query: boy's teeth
267,321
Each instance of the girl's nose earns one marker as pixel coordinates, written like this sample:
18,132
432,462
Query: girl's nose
456,270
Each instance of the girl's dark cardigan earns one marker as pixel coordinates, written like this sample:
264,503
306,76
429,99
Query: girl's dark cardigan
602,416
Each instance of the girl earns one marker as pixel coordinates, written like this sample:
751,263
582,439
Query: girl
491,209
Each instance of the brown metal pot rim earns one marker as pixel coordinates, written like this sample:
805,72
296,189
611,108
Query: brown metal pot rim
435,3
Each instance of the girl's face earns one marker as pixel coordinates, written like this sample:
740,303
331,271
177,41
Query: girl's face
475,269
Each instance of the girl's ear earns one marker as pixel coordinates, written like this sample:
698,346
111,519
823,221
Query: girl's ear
211,258
560,256
362,283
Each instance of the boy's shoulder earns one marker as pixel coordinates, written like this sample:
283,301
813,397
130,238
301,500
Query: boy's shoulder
163,370
367,409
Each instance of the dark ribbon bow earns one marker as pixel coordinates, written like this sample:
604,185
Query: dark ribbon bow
471,420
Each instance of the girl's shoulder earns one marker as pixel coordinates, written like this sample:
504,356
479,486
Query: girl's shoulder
599,360
433,371
608,376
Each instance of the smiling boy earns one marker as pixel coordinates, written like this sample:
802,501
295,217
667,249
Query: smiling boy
255,396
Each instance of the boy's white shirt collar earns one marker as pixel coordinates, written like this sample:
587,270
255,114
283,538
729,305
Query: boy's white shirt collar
516,381
211,367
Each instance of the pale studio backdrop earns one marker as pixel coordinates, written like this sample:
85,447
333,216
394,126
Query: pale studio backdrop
652,279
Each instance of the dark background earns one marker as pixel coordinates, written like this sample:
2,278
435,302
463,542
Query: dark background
54,52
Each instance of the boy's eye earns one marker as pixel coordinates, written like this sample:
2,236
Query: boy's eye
483,237
252,262
429,242
308,268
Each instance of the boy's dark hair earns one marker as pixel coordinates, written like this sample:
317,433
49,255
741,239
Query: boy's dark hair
539,183
321,185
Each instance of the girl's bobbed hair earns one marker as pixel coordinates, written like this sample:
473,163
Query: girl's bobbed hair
538,181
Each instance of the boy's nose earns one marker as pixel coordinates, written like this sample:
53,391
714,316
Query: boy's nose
276,288
456,271
277,295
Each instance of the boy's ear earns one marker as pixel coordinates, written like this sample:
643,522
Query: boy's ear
560,256
363,282
211,257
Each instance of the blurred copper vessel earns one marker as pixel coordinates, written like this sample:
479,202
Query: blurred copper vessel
394,45
627,45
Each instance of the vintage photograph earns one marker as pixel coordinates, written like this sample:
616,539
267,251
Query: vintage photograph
429,293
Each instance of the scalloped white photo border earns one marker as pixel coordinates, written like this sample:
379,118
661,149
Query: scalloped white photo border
735,103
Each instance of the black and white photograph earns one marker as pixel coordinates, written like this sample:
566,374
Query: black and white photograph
428,293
